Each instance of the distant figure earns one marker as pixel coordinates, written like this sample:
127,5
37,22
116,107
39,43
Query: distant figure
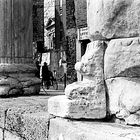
37,74
54,74
47,75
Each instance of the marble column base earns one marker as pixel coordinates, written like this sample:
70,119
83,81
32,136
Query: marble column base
18,79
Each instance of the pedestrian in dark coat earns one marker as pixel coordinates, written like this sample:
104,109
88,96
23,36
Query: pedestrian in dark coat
47,75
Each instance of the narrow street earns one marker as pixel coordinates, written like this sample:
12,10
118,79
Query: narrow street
52,91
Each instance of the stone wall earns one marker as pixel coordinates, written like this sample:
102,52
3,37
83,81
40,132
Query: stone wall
118,22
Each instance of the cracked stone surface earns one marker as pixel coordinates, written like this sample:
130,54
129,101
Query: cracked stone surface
26,117
122,58
109,19
82,108
84,99
124,98
64,129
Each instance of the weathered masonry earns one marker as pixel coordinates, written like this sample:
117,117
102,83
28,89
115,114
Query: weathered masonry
110,66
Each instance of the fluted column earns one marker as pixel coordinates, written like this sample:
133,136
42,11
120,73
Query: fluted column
16,63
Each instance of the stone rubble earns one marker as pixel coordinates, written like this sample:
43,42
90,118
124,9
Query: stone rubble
85,99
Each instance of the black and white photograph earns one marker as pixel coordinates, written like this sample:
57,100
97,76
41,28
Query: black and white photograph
69,69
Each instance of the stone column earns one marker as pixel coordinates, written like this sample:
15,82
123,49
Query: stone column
16,61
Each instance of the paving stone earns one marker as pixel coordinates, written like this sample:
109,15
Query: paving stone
64,129
35,126
5,105
122,58
26,116
31,126
109,19
21,105
64,107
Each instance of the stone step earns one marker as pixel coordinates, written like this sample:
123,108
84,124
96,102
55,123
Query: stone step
24,118
64,129
27,118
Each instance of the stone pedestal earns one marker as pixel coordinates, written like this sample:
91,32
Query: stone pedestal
18,79
16,62
84,99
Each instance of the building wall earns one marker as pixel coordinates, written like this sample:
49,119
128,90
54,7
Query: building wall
81,13
70,16
57,24
49,12
66,34
71,36
38,20
67,21
71,54
82,30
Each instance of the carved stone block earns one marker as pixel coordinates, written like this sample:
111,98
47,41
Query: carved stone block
124,98
85,99
82,108
109,19
122,58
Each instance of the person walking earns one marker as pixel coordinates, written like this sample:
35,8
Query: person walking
47,75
